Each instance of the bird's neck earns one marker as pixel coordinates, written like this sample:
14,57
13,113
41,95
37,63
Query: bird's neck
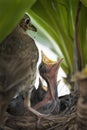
19,29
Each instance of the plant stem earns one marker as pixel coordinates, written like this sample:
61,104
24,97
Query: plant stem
77,50
77,57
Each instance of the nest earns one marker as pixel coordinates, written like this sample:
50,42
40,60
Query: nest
64,120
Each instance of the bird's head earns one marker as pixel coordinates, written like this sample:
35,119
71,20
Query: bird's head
26,24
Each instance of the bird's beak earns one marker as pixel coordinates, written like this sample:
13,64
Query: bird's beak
44,88
45,59
32,27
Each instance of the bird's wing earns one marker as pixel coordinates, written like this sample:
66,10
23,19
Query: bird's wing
14,72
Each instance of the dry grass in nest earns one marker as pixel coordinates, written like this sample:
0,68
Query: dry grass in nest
63,121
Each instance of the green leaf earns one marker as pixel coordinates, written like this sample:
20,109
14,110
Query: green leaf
83,34
11,11
55,20
84,2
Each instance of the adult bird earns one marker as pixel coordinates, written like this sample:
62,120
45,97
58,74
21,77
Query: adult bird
18,61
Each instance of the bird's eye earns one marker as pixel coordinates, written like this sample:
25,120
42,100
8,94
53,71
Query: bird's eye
42,68
27,21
